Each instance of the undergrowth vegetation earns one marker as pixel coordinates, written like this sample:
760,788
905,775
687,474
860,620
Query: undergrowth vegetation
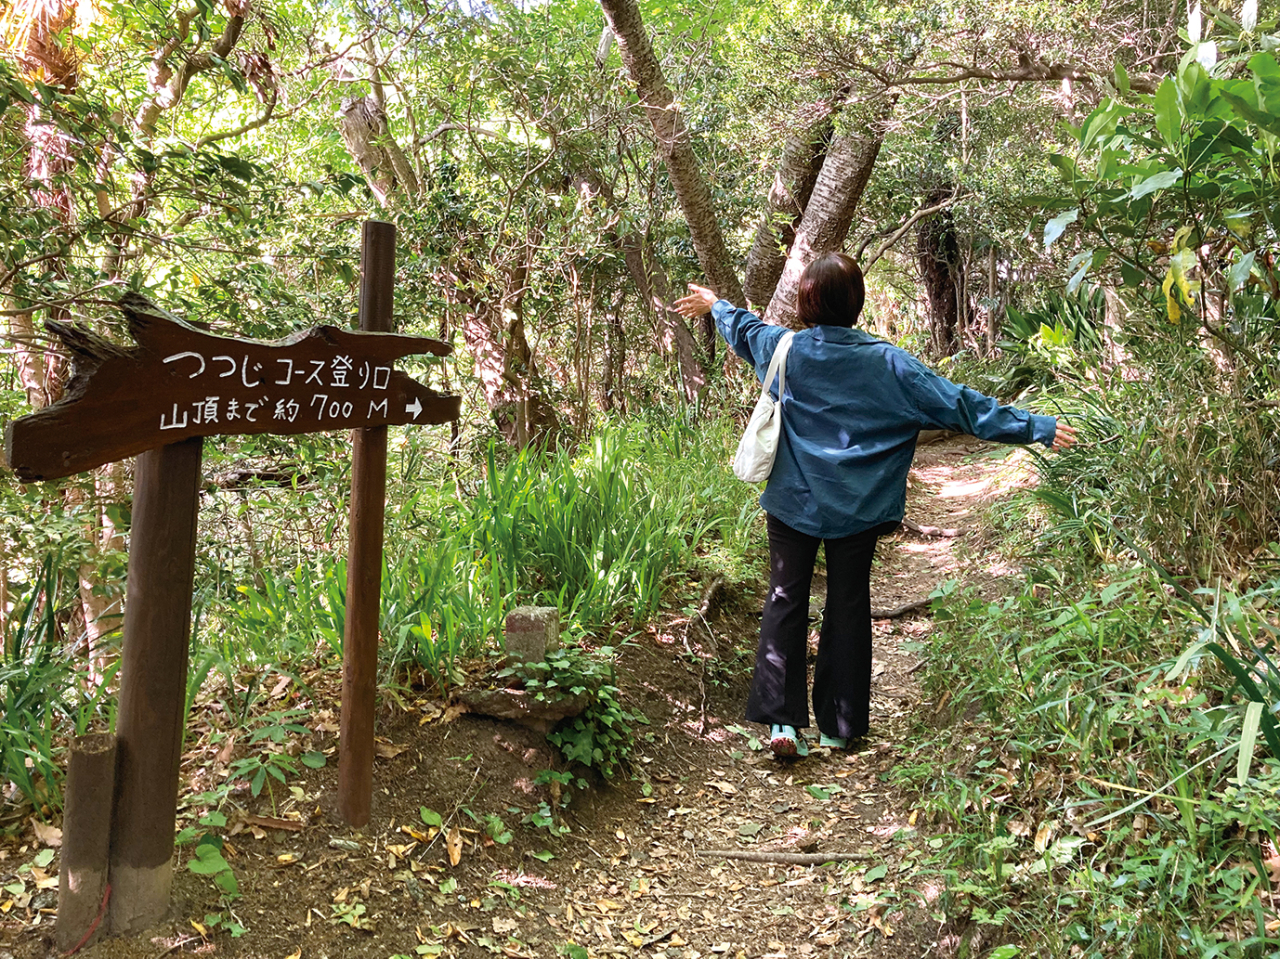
606,532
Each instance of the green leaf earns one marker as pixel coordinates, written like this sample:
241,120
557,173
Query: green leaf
1265,67
1240,271
1007,951
1122,78
545,856
1244,108
430,816
1248,737
1081,263
1168,113
1157,181
574,951
1055,227
876,873
43,858
313,759
817,792
208,861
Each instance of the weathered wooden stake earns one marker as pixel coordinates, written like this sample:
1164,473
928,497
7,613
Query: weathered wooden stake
153,682
86,840
364,549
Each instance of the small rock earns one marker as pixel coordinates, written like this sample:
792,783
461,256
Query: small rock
45,900
414,888
531,632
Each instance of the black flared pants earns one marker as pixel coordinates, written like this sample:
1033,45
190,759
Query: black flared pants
842,673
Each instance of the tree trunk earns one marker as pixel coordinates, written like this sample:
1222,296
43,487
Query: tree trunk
802,159
613,394
493,326
942,271
102,611
829,213
669,328
367,135
673,142
32,371
493,330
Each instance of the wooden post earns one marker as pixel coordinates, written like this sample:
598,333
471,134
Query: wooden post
86,840
364,550
153,682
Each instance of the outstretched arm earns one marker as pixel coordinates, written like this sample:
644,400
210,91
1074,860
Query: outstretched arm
699,301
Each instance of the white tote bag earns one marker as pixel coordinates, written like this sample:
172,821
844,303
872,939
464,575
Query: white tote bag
759,444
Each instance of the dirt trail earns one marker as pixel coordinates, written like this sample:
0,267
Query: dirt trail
637,873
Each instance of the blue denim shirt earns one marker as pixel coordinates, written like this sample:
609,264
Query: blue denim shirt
851,412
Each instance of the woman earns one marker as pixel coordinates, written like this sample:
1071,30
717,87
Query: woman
851,412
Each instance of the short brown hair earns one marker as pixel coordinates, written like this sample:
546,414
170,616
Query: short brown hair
831,291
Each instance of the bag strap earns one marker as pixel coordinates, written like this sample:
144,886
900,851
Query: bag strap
778,365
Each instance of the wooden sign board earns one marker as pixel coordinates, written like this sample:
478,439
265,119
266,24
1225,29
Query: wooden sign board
181,382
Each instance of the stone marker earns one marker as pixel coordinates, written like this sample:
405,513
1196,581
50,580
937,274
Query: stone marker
532,632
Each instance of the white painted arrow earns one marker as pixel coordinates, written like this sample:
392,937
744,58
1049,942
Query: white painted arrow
415,407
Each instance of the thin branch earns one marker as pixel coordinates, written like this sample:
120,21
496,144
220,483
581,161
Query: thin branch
244,128
1026,72
786,858
902,231
464,127
19,267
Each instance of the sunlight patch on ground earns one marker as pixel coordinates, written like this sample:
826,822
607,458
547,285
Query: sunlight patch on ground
919,547
959,490
1000,568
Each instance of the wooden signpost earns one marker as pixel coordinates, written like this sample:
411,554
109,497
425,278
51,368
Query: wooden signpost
158,400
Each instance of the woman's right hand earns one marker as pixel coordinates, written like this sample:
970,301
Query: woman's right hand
699,301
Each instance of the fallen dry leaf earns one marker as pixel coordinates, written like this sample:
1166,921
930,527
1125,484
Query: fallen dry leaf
228,748
46,834
271,822
388,750
453,843
454,711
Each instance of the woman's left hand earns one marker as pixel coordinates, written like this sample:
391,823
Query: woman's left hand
699,301
1064,436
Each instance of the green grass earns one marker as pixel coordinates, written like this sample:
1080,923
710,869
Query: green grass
602,532
1085,768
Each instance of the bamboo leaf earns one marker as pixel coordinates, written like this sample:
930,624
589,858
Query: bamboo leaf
1248,736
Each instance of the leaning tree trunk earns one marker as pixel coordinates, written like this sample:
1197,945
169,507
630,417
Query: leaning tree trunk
942,271
793,183
674,143
829,213
493,330
672,334
493,327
